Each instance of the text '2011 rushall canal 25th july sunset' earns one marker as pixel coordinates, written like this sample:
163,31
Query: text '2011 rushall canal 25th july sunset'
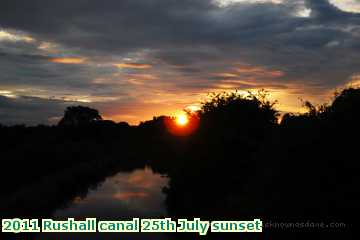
135,225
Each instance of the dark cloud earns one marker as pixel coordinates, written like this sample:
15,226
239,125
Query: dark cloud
122,26
30,110
323,10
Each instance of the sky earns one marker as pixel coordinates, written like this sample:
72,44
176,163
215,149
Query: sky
135,59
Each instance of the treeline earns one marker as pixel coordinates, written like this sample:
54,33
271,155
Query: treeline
241,163
238,162
30,153
45,167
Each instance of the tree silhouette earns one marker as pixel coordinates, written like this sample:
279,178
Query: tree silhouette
79,116
345,106
239,163
233,114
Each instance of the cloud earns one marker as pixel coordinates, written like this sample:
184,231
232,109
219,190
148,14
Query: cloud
227,3
133,65
30,110
135,52
259,71
14,37
126,196
68,60
8,94
347,5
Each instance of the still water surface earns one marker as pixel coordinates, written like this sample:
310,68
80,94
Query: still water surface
121,197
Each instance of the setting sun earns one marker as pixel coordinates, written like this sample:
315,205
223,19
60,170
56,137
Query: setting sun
182,120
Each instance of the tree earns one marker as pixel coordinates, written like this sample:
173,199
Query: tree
234,115
79,116
345,107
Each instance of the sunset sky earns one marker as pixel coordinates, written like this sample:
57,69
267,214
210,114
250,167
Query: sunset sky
135,59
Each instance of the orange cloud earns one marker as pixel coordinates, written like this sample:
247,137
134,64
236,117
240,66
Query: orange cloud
249,69
133,65
139,79
129,195
354,81
226,75
260,71
276,74
242,71
143,180
143,76
70,60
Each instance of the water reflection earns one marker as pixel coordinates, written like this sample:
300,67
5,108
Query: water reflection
123,196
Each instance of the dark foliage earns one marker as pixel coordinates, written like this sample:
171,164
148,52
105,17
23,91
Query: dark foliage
240,163
79,116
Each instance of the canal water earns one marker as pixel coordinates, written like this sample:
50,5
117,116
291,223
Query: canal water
121,197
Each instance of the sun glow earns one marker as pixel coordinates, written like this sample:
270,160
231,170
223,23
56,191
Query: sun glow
182,120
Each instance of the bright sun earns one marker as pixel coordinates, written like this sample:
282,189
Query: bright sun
182,120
